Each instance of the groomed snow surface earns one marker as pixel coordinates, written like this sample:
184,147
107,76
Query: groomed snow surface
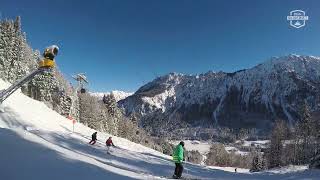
36,143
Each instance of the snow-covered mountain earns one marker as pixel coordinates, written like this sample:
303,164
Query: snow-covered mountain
38,143
246,98
118,95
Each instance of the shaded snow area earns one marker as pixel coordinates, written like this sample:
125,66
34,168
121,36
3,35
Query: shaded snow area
36,143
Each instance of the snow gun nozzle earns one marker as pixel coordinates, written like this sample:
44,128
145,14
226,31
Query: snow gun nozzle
51,52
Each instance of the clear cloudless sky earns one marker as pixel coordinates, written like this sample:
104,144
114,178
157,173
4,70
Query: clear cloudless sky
122,44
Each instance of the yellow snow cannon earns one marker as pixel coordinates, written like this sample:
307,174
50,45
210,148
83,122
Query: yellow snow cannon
49,54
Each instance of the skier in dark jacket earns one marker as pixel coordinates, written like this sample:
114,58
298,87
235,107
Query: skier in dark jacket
93,138
109,143
178,157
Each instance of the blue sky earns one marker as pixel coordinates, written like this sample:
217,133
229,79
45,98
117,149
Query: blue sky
122,44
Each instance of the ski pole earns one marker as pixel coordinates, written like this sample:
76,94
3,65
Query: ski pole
187,174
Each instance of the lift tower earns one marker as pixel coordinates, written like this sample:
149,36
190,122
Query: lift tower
81,79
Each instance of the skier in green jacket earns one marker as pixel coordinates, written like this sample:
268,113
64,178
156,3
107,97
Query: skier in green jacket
178,157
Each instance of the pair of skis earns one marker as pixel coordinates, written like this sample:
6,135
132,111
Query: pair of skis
182,178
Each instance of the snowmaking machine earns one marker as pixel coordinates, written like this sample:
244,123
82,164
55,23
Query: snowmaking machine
45,65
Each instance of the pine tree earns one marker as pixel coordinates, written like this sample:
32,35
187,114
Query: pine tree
278,135
15,54
306,134
8,41
91,113
258,162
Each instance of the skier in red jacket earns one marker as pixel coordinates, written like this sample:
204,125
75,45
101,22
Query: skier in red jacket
109,143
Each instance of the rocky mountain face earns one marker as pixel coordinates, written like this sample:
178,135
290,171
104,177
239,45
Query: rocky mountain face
250,98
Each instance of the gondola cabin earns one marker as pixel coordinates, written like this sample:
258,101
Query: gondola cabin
83,90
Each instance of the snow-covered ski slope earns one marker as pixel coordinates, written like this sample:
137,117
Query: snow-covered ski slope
37,143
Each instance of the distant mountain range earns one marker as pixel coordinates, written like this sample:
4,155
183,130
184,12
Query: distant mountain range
119,95
249,98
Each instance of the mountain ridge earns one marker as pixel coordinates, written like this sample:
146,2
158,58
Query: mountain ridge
118,95
252,97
